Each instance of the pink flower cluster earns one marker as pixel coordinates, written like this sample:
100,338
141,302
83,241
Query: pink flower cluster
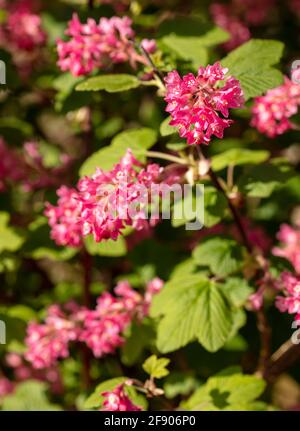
6,387
101,329
119,5
12,167
49,341
237,16
294,6
105,203
64,218
26,167
290,302
290,245
25,29
118,401
22,371
290,250
118,198
271,113
22,34
224,18
39,175
199,105
97,45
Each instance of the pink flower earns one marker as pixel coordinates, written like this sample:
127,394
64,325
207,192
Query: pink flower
12,167
119,5
25,30
39,174
49,341
237,16
115,199
13,360
271,112
64,218
223,17
256,235
149,45
103,327
257,299
294,6
100,329
199,106
22,35
290,247
254,12
118,401
290,302
96,45
153,287
6,387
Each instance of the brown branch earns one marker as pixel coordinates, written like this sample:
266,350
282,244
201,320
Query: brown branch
262,322
87,266
157,72
287,354
233,210
265,339
91,4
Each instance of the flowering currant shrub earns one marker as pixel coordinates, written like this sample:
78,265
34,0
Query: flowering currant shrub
149,205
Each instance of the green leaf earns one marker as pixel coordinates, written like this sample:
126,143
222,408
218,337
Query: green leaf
24,128
194,48
261,181
187,48
185,267
179,216
215,321
176,146
193,308
251,63
109,83
21,312
238,156
156,367
136,139
239,319
10,240
54,29
107,248
166,129
236,344
64,84
15,327
196,26
95,400
139,140
237,291
215,205
132,350
228,392
223,256
179,383
214,36
40,246
29,396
